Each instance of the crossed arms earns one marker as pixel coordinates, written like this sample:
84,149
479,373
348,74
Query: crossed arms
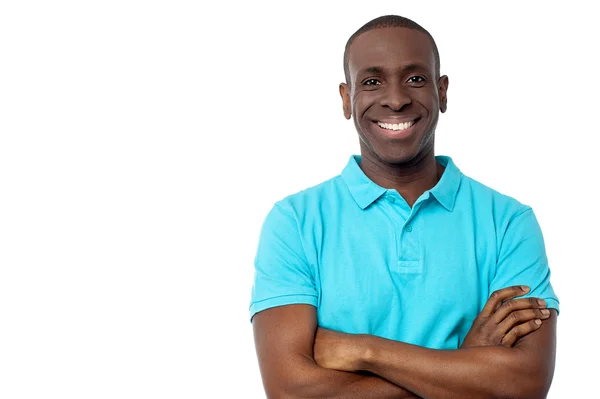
506,354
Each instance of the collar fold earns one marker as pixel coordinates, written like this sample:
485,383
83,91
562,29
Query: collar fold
446,190
365,191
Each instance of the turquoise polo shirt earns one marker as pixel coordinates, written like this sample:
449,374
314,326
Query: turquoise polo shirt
371,264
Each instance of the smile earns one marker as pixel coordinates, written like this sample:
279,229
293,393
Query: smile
396,126
396,130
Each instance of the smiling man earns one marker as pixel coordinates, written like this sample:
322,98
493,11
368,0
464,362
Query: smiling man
401,277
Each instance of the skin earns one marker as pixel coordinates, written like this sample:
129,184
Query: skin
300,360
524,371
505,354
392,78
504,320
487,366
284,337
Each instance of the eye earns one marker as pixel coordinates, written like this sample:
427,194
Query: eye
371,82
416,79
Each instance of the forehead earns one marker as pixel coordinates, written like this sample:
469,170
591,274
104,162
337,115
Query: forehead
390,48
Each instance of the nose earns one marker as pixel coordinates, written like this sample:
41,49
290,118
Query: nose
394,97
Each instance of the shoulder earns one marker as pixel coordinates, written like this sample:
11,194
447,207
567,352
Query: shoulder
312,199
503,208
511,221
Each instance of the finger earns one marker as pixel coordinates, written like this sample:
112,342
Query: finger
497,297
521,316
520,331
513,305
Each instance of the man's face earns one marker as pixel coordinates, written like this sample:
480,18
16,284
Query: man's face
393,93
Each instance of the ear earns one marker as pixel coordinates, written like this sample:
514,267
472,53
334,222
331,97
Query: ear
443,92
345,93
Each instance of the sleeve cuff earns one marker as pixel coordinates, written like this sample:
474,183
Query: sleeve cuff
552,303
259,306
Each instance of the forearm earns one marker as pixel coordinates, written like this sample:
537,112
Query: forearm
483,372
309,380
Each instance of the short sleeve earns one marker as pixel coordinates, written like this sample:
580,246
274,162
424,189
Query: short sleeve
522,259
282,274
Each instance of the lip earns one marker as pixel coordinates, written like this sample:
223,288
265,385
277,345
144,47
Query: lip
397,134
397,120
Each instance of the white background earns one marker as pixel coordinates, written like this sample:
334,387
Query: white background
143,142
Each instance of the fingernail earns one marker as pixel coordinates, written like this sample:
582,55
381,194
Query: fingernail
525,288
538,322
545,312
541,302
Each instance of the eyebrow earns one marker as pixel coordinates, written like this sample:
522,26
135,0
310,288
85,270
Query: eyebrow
408,68
374,69
414,67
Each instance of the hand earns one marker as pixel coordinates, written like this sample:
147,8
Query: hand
503,320
336,350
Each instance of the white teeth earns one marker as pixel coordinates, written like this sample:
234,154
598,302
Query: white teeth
396,126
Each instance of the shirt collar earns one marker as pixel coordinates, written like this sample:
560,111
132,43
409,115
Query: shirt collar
365,191
446,189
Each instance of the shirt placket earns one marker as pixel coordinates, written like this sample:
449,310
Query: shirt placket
408,243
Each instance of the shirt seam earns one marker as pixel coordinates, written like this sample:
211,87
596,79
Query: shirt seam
281,296
293,215
510,222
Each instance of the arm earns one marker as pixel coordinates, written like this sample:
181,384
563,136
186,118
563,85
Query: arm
283,313
284,338
522,371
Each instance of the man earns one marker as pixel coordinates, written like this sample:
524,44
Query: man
401,277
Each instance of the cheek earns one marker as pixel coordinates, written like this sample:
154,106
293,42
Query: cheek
429,99
361,103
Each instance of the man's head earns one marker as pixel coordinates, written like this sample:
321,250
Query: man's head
391,21
393,88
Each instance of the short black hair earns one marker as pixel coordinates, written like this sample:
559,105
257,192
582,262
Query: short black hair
390,21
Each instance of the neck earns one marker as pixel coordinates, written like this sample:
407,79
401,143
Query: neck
410,179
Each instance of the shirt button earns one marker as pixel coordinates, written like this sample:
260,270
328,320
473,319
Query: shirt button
392,200
409,228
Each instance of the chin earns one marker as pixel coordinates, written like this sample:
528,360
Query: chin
404,154
397,157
